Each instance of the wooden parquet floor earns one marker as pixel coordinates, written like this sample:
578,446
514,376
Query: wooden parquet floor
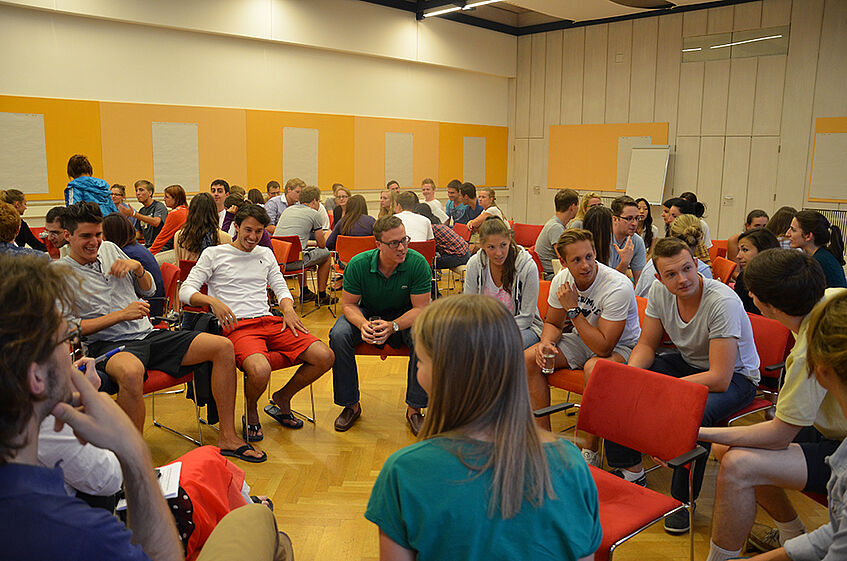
320,480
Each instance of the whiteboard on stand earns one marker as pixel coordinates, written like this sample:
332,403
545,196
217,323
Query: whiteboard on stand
648,169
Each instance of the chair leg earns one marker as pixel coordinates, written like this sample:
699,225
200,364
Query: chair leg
691,512
169,429
312,399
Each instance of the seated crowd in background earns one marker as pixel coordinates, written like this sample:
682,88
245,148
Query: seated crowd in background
465,345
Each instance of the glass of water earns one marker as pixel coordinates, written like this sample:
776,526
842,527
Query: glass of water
548,359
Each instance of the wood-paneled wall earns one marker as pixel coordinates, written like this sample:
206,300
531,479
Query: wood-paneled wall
740,130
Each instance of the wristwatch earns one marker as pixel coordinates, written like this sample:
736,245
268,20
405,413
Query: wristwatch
395,326
573,312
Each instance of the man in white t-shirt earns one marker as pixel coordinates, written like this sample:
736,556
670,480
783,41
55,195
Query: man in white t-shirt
428,192
707,324
237,276
760,461
597,302
418,228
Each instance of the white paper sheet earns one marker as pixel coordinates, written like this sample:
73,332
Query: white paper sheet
399,158
300,154
23,152
176,157
473,159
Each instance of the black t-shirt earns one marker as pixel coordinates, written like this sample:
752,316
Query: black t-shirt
150,232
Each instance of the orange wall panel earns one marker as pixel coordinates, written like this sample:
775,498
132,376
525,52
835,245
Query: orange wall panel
127,131
264,146
70,127
586,156
370,150
451,146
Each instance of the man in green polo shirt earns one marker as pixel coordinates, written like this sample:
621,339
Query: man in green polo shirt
384,291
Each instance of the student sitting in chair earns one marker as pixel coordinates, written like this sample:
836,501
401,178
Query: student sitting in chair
714,347
593,314
237,276
113,315
788,452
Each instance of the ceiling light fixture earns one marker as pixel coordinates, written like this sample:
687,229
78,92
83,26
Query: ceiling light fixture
692,50
747,41
472,5
442,12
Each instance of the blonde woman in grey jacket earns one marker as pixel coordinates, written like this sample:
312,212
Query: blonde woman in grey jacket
507,273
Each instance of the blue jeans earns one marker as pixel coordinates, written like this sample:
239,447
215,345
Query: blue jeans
719,406
529,338
446,261
343,338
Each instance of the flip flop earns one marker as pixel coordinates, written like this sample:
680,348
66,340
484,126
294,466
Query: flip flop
288,420
239,453
266,501
246,427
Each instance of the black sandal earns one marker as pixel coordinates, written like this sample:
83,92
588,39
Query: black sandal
247,427
288,420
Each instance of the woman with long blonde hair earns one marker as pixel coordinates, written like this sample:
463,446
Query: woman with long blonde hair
387,203
589,201
483,482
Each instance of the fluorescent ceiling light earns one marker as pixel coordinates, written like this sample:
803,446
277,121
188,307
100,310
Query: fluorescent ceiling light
692,50
442,12
747,41
478,3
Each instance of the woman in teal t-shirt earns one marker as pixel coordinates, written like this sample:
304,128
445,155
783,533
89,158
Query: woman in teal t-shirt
483,482
812,232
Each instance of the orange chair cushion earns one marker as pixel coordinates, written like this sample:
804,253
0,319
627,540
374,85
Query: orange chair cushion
568,380
158,381
625,507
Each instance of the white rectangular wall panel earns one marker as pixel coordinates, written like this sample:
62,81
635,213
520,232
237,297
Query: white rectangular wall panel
399,158
473,159
829,167
23,152
176,158
300,154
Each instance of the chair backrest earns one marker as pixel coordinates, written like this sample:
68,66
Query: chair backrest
637,408
296,247
537,259
427,249
526,234
350,246
462,230
723,268
543,295
642,309
773,343
281,250
170,278
185,267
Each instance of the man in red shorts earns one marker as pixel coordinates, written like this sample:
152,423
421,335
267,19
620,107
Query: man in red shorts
237,276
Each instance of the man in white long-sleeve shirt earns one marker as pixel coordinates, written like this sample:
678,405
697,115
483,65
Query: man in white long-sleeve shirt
237,276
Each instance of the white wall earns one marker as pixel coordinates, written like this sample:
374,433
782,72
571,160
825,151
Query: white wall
740,129
324,56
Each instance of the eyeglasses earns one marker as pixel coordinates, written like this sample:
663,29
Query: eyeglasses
628,218
394,243
73,336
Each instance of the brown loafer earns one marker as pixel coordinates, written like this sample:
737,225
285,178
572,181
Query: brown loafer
415,421
347,418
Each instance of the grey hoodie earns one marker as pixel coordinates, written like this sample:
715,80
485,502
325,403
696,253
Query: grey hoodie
524,290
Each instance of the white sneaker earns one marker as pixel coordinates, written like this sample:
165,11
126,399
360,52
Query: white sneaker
592,458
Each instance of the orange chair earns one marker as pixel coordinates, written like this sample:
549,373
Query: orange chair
723,269
537,259
563,378
462,230
294,265
635,407
526,234
773,343
348,247
543,296
281,251
158,381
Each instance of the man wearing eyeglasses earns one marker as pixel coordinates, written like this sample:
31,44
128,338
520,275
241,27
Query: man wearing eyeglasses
628,251
55,232
384,291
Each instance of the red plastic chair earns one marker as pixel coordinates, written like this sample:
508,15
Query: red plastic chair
543,296
427,249
526,234
723,268
462,230
158,381
185,267
635,407
348,247
537,259
294,265
281,251
773,343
